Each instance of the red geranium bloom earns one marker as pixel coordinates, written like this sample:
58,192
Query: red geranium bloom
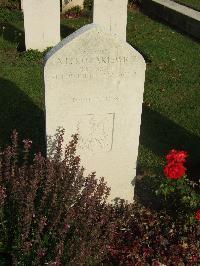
174,170
197,215
176,156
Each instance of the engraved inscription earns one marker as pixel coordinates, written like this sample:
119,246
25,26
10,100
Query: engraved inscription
92,66
86,75
95,132
95,99
91,60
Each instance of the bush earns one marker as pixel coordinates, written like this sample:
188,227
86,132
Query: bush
74,12
134,2
50,213
88,4
181,195
11,4
149,238
7,16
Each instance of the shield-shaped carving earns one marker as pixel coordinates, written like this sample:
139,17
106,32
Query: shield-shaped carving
96,132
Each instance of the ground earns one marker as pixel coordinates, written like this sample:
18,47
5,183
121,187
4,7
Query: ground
171,110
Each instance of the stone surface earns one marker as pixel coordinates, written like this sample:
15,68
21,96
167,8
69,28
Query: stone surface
180,8
94,86
67,4
41,23
111,15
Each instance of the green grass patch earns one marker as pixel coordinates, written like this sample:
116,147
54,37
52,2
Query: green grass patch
171,110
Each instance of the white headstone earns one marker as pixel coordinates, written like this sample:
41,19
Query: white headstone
41,23
111,15
94,86
68,4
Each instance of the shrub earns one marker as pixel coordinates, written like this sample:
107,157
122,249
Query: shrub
180,194
134,2
88,4
11,4
7,16
149,238
74,12
50,213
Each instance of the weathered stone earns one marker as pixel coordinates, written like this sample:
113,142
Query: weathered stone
94,86
111,15
41,23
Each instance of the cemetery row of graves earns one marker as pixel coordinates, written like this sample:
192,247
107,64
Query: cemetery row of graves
92,84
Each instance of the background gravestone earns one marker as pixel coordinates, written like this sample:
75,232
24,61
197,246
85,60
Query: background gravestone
94,86
111,15
67,4
41,23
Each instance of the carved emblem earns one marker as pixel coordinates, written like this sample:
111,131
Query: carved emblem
96,132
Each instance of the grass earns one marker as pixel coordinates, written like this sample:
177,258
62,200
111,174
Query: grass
194,4
171,110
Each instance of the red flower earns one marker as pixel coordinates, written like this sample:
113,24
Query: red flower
174,170
197,215
176,156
